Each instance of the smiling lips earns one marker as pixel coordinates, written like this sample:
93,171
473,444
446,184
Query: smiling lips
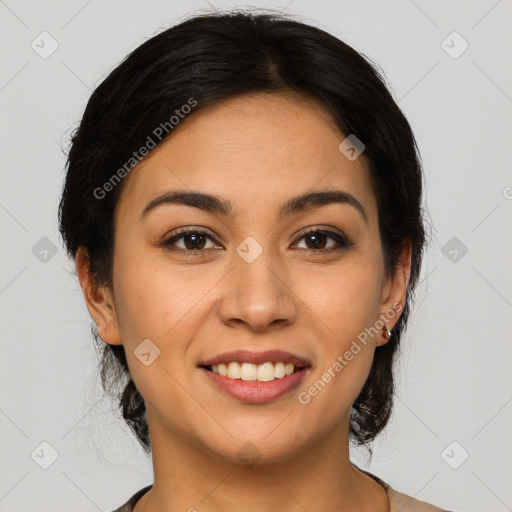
262,366
256,377
264,372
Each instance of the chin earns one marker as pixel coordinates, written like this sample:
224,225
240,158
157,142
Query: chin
247,450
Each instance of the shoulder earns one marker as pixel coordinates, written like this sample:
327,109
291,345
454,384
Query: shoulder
403,503
399,502
130,504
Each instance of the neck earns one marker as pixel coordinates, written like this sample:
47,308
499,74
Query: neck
320,477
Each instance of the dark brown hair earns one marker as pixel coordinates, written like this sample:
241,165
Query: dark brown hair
213,57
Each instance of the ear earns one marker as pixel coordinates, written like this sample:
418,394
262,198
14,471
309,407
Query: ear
98,299
394,292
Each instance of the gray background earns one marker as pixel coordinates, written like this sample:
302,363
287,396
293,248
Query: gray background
454,373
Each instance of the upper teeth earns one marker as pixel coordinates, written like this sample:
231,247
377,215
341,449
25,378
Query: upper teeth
247,371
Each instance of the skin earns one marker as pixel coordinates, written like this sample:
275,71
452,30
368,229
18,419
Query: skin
256,151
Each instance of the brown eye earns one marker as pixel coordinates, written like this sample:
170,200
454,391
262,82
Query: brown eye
317,241
193,241
190,241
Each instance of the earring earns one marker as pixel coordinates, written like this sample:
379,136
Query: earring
386,332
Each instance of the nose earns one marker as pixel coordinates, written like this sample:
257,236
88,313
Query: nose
258,295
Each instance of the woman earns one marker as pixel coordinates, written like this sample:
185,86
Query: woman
243,201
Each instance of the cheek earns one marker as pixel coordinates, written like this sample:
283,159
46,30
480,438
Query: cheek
157,301
346,310
152,295
346,299
152,306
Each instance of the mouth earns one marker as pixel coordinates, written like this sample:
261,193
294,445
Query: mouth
261,366
256,377
265,372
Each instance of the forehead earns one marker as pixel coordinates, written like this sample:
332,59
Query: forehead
252,149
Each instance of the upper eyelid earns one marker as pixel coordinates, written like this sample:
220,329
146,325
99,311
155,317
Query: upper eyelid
326,230
184,231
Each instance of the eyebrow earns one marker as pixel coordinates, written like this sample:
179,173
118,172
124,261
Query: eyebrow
215,204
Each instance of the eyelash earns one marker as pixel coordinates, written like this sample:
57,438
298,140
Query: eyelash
343,241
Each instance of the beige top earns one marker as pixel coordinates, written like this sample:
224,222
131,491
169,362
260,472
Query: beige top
398,502
401,503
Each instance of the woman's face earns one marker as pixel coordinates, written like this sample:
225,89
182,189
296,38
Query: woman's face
249,279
